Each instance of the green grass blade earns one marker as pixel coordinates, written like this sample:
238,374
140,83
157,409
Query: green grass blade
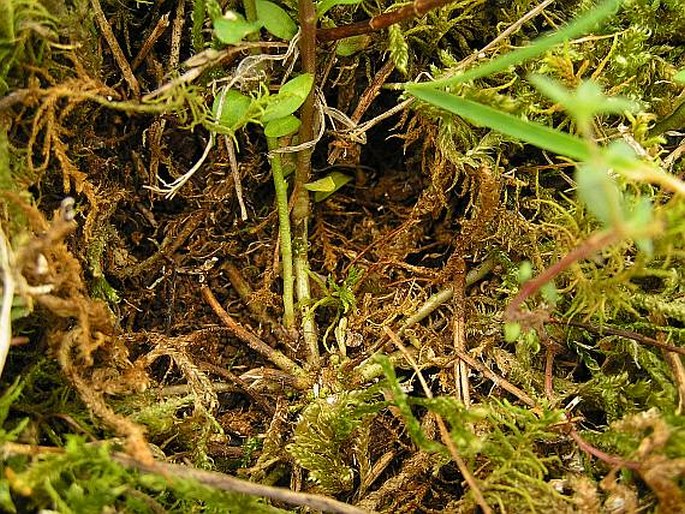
528,131
577,27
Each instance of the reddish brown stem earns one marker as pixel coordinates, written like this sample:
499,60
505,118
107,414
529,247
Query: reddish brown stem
605,457
595,242
621,333
414,10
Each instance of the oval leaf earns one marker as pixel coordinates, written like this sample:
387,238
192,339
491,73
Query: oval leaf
276,20
230,109
232,28
290,97
281,127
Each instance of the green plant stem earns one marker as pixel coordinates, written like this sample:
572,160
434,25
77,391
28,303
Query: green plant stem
301,201
285,236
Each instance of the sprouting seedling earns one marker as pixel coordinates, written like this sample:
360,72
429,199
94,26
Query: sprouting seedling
275,113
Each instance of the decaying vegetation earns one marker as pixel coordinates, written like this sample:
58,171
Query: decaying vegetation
342,256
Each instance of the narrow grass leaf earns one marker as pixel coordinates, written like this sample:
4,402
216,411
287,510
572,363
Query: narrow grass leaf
528,131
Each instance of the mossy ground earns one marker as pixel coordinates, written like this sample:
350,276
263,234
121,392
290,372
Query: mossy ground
118,347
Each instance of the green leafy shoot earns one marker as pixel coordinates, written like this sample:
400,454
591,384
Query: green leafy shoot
326,5
6,400
399,48
231,28
578,27
289,98
401,401
276,20
326,186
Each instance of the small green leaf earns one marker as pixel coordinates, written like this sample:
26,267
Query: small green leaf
298,86
549,293
512,331
290,97
281,127
600,193
231,28
326,186
6,503
276,20
325,5
621,157
640,218
351,45
230,109
525,272
680,76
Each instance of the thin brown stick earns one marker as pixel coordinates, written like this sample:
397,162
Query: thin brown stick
514,27
236,485
176,35
444,433
171,242
300,196
414,10
156,33
459,330
499,381
365,102
239,383
621,333
115,48
254,342
549,370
